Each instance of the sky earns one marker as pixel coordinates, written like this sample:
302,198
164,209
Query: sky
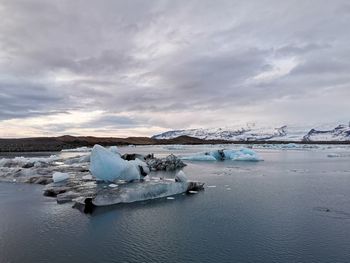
138,68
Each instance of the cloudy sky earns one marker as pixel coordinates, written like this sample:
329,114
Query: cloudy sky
131,68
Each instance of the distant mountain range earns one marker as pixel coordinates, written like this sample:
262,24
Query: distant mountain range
250,133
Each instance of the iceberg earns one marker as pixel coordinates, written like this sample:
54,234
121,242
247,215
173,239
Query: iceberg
199,157
108,166
242,154
139,192
59,177
144,190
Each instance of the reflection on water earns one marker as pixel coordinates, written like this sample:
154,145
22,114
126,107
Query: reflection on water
292,207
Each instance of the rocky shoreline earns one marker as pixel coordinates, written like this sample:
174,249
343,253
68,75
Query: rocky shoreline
50,144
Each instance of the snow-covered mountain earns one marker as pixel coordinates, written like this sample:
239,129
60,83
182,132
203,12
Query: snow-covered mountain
339,133
253,133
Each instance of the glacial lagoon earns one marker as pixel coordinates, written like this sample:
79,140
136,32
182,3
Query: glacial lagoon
294,206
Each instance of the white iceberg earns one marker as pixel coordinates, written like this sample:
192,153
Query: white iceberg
108,166
242,154
59,177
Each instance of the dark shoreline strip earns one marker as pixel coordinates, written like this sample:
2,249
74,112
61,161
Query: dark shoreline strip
49,144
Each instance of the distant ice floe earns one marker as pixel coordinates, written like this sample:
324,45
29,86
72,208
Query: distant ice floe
79,149
175,147
243,154
338,155
28,161
113,149
288,146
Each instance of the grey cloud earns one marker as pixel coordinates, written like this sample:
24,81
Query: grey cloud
113,121
164,57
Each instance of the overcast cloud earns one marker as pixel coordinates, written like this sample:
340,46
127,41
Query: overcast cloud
129,68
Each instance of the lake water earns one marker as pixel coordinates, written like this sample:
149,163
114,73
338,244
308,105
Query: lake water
292,207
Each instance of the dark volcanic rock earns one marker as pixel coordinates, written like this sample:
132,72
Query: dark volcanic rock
28,165
169,163
133,156
53,192
195,186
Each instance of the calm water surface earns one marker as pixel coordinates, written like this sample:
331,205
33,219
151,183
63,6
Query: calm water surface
292,207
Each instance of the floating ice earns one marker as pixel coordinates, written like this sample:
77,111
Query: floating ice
79,149
181,177
139,192
243,154
211,186
175,147
59,177
114,149
28,162
170,198
78,159
289,146
200,157
108,166
113,185
87,177
333,155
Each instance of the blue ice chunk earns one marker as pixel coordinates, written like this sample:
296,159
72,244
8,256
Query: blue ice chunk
108,166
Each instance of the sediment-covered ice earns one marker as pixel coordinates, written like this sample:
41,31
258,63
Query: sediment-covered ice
243,154
109,166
